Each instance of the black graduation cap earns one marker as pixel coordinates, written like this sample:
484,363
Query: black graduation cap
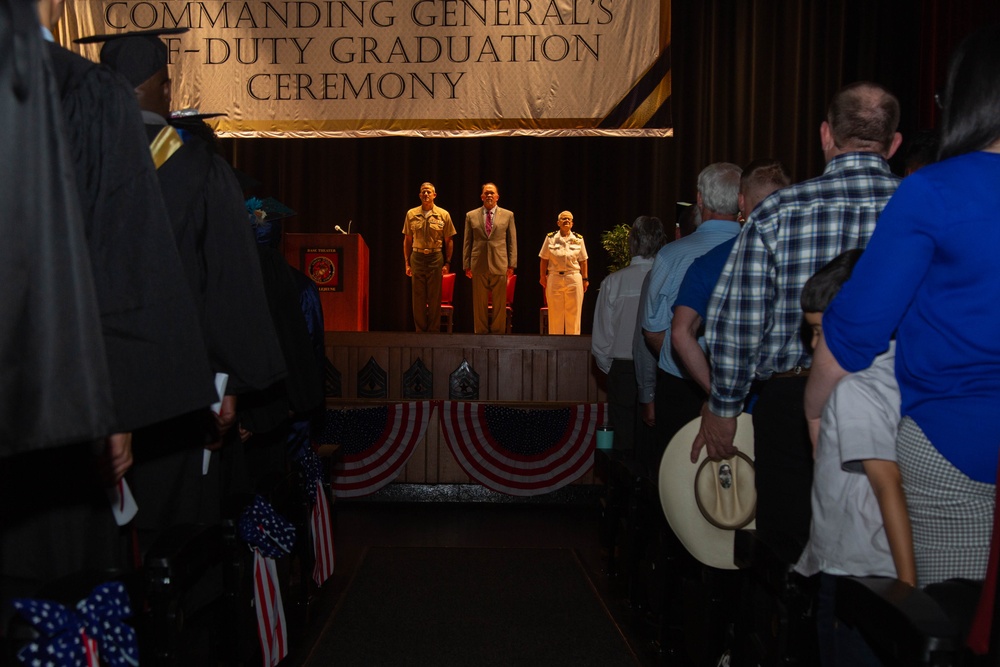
193,122
274,209
137,55
182,115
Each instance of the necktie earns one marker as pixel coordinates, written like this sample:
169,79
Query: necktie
489,222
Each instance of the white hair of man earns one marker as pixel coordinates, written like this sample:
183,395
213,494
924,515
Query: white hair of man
719,187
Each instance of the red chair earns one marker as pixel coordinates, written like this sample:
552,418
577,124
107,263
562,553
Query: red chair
511,282
447,295
543,316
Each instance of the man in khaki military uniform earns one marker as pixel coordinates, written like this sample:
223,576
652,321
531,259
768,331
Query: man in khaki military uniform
427,230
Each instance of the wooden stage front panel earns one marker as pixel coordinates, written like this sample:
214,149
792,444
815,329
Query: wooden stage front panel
522,370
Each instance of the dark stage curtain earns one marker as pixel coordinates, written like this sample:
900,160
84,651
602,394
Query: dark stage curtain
750,79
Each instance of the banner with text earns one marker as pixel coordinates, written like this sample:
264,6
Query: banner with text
311,68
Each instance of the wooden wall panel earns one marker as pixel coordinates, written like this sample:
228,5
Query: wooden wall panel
539,378
573,375
479,359
510,370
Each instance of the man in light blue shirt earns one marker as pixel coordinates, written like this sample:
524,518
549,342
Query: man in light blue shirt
678,397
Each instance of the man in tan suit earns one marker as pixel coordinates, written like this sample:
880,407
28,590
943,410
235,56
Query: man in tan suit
489,257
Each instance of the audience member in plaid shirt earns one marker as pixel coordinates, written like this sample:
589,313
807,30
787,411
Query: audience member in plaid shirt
754,318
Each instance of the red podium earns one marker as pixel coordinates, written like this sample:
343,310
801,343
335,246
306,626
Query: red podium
338,265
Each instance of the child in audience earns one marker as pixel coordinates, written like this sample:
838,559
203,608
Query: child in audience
859,524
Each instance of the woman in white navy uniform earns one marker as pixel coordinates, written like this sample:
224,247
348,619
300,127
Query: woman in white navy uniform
563,270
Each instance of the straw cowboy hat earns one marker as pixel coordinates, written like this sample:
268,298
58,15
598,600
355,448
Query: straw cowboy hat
707,501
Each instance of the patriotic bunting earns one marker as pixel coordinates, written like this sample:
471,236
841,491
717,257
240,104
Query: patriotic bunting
521,452
271,536
271,628
91,649
320,528
376,443
261,527
77,636
322,535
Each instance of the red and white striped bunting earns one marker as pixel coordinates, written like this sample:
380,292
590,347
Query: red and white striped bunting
521,466
322,536
271,628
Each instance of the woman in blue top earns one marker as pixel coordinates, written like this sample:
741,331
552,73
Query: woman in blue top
931,277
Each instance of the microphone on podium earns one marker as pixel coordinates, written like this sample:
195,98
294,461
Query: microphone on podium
339,229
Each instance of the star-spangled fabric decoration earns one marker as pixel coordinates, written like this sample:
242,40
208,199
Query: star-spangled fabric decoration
99,617
356,430
270,536
375,444
262,527
310,473
320,530
521,452
526,432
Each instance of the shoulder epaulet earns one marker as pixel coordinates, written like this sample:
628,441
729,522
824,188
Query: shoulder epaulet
551,234
579,236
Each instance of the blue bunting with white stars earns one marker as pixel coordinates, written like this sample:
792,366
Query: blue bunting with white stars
527,432
310,473
101,615
262,527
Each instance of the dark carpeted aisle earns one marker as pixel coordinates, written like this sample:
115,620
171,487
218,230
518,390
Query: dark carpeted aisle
471,606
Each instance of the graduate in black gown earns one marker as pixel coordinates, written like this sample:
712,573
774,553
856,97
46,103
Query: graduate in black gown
55,517
273,422
208,218
54,388
156,351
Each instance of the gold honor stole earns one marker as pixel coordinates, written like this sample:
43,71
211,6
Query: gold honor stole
164,145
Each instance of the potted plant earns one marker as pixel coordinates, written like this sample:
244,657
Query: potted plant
615,242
